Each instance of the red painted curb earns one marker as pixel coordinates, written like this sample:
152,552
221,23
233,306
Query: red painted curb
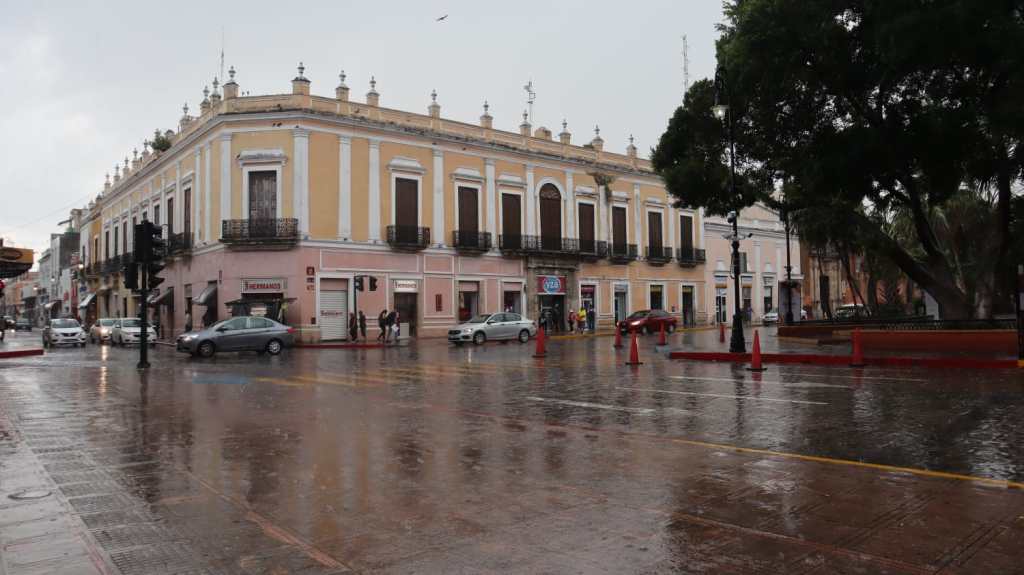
20,353
942,362
341,345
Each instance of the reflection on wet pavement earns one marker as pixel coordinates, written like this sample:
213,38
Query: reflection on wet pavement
435,459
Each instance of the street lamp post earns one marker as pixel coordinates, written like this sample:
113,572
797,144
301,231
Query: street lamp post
789,268
737,344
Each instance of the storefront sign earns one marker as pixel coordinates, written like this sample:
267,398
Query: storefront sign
406,286
588,290
551,285
264,285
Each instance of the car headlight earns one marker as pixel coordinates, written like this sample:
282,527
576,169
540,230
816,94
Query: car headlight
187,337
467,330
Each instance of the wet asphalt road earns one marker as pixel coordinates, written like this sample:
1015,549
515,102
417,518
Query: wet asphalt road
435,459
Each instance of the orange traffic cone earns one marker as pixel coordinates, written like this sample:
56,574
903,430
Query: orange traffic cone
541,347
721,333
661,334
858,354
618,338
755,356
634,352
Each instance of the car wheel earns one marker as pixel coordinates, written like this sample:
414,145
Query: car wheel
479,338
274,347
671,328
207,349
648,330
524,336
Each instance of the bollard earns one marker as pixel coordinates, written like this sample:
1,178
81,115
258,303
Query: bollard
858,354
541,344
618,338
661,334
755,355
634,352
721,333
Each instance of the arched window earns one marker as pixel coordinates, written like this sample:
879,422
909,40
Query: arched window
550,217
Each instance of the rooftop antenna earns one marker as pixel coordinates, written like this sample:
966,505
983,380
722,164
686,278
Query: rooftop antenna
530,97
221,52
686,66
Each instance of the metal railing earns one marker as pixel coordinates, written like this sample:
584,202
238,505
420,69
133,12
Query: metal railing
471,241
658,254
260,231
546,245
689,257
622,253
408,237
113,264
593,249
179,243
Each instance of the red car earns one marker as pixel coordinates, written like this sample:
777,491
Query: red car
648,321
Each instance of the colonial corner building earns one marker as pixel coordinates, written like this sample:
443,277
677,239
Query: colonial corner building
275,204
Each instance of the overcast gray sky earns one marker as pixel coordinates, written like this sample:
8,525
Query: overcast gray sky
85,82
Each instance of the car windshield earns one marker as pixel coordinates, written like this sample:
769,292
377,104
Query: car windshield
63,323
106,322
639,314
478,318
130,322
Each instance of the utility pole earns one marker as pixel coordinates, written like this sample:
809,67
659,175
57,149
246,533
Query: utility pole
530,97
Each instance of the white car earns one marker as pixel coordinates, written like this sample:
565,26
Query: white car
63,332
101,330
128,331
770,317
493,326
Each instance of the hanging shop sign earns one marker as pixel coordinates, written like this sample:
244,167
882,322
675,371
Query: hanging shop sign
264,285
551,285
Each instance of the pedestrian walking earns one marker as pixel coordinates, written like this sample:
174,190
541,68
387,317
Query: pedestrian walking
556,319
362,324
353,327
188,321
591,319
398,326
382,323
572,321
389,324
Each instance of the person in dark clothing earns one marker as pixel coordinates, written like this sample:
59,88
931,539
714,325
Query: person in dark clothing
353,327
362,324
389,322
591,319
382,323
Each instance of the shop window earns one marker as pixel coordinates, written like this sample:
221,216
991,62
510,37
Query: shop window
657,297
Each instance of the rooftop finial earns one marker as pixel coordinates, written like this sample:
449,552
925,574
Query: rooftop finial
216,83
184,109
206,92
565,125
302,69
341,78
373,83
107,179
631,139
433,95
597,131
486,106
135,153
231,73
117,171
525,116
126,163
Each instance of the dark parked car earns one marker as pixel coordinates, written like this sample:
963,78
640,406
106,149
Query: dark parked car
23,324
648,321
243,333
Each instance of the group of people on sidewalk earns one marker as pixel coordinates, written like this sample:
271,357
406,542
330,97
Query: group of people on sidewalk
580,321
388,322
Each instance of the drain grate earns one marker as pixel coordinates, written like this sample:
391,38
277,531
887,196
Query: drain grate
91,488
65,466
134,536
116,518
59,449
108,502
156,560
79,477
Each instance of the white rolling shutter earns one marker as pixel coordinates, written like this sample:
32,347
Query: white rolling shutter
333,315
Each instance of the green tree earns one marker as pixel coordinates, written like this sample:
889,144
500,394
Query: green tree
867,107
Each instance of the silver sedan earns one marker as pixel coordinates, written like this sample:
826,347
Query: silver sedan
493,326
244,333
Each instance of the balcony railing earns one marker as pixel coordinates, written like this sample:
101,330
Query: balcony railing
261,233
658,255
408,237
593,249
179,243
113,264
471,241
621,253
689,257
538,245
93,270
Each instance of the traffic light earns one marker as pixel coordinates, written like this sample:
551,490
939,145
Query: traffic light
359,283
2,285
153,269
141,241
155,260
373,283
131,276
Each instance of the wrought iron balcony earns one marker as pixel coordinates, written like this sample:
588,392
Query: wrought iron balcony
93,269
271,233
471,241
593,249
658,255
539,245
408,237
689,257
113,264
180,243
621,253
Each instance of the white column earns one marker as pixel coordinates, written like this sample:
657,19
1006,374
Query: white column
638,210
438,233
344,188
197,225
569,201
163,202
604,213
492,202
225,177
131,229
673,239
208,196
529,202
300,180
758,282
700,234
374,214
179,204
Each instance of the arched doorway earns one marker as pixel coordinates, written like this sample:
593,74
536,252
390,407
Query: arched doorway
550,218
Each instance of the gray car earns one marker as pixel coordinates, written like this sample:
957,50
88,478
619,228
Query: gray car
243,333
483,327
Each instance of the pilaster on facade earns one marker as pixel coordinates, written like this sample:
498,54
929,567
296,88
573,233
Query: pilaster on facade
438,224
197,194
604,213
530,201
300,180
672,216
637,221
374,204
179,205
344,188
492,201
225,176
208,197
700,237
569,205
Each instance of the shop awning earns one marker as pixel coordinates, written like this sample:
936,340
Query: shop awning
87,300
206,296
162,298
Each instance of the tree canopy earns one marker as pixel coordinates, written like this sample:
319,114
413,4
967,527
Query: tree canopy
866,108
